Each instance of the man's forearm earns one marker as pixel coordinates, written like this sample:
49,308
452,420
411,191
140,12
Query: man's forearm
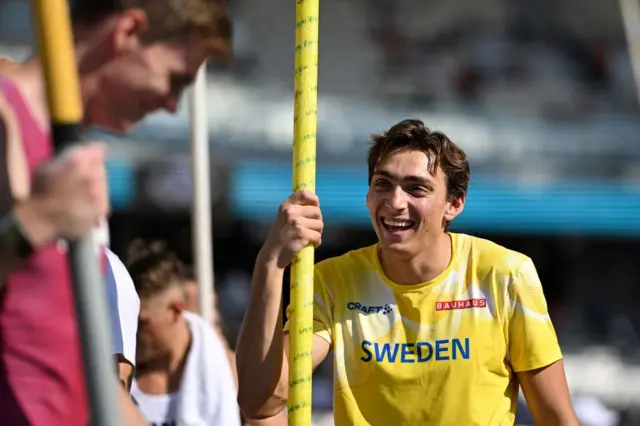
260,353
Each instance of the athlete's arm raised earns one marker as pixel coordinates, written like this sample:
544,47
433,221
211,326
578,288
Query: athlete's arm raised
262,350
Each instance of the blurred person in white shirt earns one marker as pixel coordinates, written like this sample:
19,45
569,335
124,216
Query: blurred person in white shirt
124,307
192,294
183,374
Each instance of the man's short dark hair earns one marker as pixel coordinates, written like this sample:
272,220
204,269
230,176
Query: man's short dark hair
153,267
413,135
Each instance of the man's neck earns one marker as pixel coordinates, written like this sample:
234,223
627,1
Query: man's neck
163,375
434,257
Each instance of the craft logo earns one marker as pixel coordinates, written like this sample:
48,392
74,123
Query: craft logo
384,309
461,304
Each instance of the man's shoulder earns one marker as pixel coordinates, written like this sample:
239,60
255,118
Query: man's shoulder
8,113
489,257
352,261
14,182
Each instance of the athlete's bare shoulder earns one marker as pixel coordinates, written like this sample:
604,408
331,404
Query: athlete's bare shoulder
12,156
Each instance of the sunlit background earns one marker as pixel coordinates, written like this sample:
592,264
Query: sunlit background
539,93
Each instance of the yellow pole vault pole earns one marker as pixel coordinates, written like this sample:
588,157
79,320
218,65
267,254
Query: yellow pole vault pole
55,45
304,177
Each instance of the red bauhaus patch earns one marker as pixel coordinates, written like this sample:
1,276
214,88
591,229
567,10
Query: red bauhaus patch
461,304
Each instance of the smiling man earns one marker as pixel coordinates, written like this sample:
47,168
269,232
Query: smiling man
427,327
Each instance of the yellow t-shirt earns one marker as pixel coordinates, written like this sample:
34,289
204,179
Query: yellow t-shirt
444,352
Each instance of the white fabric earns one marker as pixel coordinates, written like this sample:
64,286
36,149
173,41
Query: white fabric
158,410
100,236
207,395
124,307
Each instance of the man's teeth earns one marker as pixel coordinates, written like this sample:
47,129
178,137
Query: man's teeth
398,223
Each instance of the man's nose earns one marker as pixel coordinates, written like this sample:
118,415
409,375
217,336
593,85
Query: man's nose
398,199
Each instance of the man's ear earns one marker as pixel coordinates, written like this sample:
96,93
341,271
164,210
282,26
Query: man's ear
128,29
454,208
177,306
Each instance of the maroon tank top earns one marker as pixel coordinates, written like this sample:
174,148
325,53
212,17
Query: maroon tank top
41,372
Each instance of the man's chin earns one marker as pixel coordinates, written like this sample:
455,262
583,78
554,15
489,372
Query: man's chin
396,247
124,127
119,126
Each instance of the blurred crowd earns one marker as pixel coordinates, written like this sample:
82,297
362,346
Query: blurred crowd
541,59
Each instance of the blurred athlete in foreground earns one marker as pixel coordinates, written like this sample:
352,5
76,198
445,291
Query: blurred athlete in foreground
192,297
134,57
427,327
183,375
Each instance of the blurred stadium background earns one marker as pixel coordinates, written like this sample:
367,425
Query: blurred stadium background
539,93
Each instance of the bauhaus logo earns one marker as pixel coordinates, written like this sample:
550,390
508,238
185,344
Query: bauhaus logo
461,304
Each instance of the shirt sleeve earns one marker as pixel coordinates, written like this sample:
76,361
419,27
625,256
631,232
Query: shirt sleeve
124,308
322,308
532,339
